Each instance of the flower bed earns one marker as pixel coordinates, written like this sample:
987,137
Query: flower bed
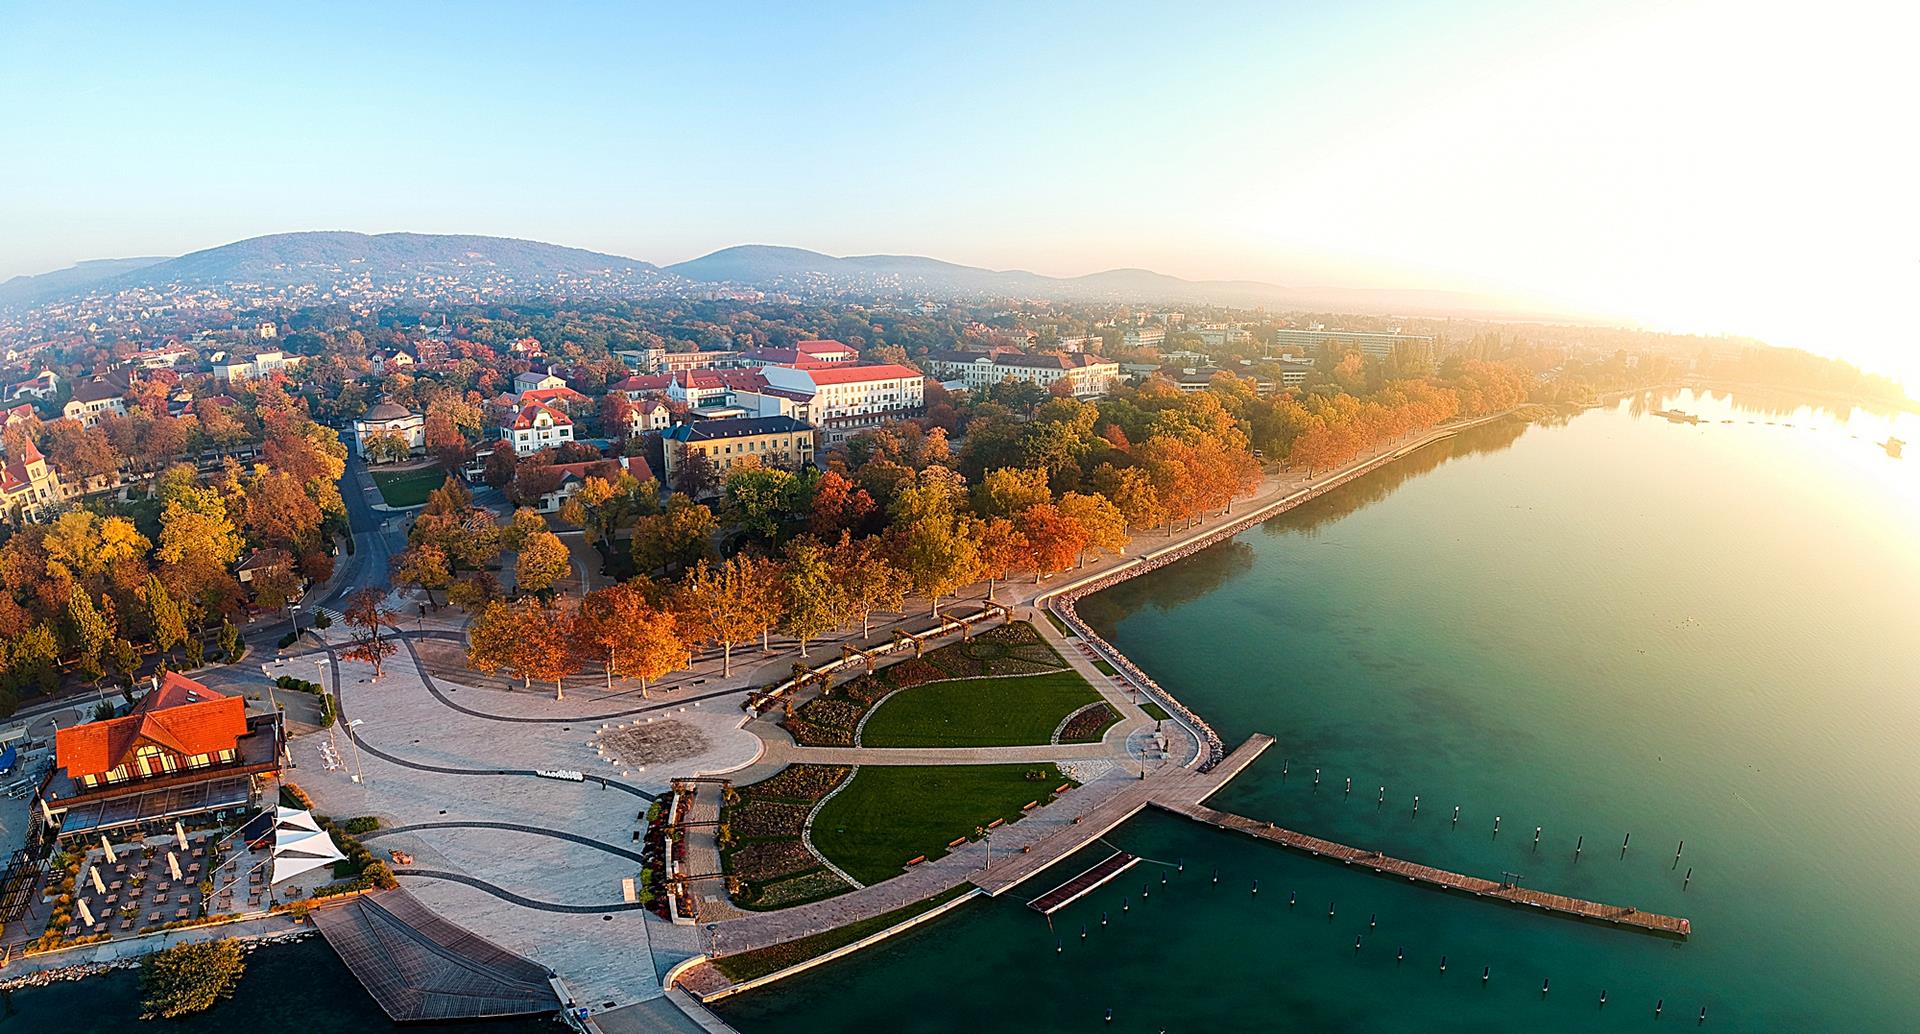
808,734
798,890
913,672
762,818
1088,724
770,859
798,783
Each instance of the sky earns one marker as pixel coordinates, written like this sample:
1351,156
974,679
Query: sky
1707,167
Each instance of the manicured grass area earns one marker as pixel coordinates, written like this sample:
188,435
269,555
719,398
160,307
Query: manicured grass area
408,487
1058,625
1103,667
1155,711
891,813
751,965
989,712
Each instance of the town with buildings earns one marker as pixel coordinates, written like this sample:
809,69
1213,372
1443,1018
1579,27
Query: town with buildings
671,555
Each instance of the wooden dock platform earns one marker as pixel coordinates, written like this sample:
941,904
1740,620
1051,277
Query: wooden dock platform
1557,904
1080,886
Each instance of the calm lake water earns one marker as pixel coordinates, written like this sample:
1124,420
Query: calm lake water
1615,626
1620,625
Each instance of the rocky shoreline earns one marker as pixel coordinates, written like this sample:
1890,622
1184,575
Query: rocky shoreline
82,970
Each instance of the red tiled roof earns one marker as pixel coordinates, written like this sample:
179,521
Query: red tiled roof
181,716
849,374
635,465
561,394
531,411
819,346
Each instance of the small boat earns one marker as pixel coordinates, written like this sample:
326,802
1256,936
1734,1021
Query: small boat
1893,446
1677,416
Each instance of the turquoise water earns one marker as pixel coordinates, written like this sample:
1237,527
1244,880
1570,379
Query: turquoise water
1614,626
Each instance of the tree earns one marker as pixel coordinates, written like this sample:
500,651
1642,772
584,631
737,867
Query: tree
1002,548
722,604
527,639
424,565
696,475
815,598
634,638
91,632
543,560
1008,490
367,614
474,592
189,978
386,447
500,465
870,580
1054,540
838,505
937,547
674,540
760,499
169,624
1099,519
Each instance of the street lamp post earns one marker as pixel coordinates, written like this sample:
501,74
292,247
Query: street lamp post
293,611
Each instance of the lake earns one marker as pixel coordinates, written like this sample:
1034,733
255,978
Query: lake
1614,627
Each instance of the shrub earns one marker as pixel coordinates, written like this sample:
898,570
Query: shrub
288,640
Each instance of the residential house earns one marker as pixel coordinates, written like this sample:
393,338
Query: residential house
575,475
536,426
98,397
535,380
43,385
28,486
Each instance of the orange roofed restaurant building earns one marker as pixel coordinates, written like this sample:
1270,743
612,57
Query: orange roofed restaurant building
184,751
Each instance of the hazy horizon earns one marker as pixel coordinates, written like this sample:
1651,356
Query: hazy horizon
1695,167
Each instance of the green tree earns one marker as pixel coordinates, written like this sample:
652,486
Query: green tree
169,623
816,601
190,978
91,632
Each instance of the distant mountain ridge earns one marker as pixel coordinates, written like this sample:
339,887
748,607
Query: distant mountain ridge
770,267
310,264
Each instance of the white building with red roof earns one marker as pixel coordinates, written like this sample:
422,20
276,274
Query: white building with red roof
840,398
536,426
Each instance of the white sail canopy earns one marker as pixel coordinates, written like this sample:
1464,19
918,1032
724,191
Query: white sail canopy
299,845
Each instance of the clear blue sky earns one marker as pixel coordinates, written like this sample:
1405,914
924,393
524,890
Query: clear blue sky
1690,164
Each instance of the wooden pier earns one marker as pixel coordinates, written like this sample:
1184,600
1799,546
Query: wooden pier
1080,886
1557,904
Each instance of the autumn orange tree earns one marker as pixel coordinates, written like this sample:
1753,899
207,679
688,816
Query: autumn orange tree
633,637
526,639
1054,540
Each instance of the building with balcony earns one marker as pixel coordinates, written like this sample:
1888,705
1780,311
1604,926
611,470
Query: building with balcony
185,752
536,426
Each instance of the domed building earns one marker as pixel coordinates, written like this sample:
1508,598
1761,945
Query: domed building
390,418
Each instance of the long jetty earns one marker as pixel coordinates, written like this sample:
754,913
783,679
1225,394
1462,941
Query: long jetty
1183,793
1558,904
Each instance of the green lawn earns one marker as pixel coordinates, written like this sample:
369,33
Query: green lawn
1012,711
762,961
408,487
1154,711
891,813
